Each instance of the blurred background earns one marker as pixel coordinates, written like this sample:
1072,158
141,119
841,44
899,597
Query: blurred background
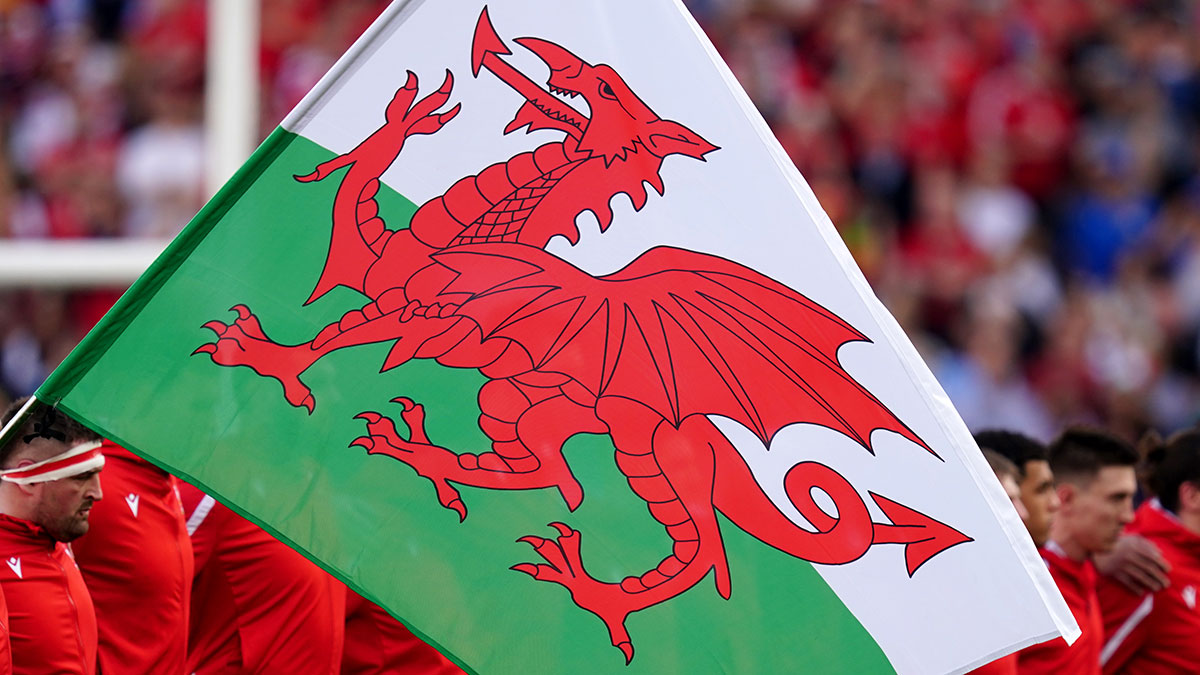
1018,179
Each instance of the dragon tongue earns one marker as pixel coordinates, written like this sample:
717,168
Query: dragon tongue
486,42
487,48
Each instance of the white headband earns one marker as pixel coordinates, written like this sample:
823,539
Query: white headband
78,459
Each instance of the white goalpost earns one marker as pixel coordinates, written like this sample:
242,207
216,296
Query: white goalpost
231,133
75,264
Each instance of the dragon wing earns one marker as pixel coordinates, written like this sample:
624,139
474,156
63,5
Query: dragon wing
679,331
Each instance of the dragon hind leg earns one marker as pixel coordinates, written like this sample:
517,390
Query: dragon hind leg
672,469
526,453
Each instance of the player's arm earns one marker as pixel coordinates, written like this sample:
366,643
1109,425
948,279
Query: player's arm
1136,563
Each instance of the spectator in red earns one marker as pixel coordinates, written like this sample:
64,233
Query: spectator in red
260,607
49,480
1159,632
1094,475
137,562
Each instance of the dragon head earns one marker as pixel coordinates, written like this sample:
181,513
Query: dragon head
617,122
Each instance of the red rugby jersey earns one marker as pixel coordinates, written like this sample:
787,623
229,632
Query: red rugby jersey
260,607
137,561
5,648
52,624
1156,633
1077,582
377,644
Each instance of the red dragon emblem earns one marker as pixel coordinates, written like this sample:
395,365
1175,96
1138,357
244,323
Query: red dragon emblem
644,355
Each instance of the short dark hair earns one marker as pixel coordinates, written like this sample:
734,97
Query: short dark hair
1172,463
46,420
1001,465
1079,453
1014,446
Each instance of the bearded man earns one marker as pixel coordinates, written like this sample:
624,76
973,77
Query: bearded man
49,480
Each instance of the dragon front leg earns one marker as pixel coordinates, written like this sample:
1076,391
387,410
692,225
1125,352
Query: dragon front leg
526,449
411,325
672,469
405,116
360,235
243,343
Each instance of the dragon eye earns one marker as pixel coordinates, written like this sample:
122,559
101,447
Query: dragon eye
606,91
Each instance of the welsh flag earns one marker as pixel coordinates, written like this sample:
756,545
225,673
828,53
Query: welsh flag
523,325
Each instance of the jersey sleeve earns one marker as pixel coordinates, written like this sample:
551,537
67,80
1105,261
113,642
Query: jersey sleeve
1125,622
197,508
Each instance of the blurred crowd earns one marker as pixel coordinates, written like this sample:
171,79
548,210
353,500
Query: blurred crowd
102,136
1017,178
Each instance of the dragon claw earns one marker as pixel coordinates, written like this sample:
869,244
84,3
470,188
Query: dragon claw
527,568
430,461
242,342
626,649
564,566
458,507
215,326
413,416
449,114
